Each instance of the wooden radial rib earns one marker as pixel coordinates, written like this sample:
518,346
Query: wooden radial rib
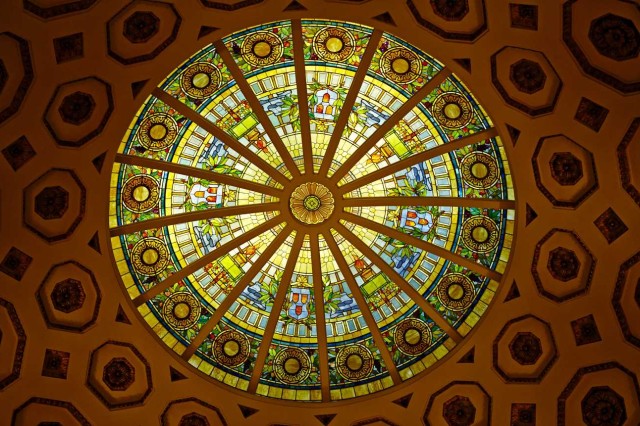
278,302
364,308
349,101
483,203
226,138
256,107
193,216
423,245
418,158
197,173
206,259
401,283
389,124
236,291
301,86
321,330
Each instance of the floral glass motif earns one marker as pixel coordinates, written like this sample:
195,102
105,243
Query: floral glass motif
312,259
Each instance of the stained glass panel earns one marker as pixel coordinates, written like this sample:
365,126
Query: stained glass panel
314,246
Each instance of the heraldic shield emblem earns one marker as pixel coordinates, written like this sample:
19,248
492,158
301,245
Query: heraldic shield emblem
299,300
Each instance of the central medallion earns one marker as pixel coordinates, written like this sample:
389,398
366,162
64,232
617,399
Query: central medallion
311,203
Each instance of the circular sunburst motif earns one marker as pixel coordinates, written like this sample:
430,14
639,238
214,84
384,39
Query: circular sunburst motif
140,193
334,44
354,362
200,80
157,132
150,256
262,48
456,292
400,65
452,110
181,310
480,234
479,170
292,365
231,348
311,203
329,209
413,336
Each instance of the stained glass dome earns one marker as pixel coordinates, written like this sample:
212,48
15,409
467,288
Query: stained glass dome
311,210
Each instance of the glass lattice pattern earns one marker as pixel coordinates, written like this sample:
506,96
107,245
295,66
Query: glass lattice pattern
311,210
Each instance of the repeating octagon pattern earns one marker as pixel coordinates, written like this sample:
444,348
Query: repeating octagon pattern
541,329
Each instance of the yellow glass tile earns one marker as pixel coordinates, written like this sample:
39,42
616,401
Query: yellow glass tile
205,367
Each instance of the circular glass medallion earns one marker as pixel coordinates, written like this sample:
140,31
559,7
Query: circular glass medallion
456,292
452,110
354,362
334,44
158,132
480,234
231,348
149,256
292,365
221,231
200,80
262,48
181,310
140,193
479,170
400,65
412,336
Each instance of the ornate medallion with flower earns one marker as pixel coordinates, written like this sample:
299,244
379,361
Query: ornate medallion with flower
335,222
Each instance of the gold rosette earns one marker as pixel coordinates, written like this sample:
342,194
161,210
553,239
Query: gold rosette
311,203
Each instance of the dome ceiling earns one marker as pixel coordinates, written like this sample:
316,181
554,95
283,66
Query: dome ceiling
312,247
92,330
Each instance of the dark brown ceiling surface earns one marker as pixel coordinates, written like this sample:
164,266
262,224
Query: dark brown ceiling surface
561,342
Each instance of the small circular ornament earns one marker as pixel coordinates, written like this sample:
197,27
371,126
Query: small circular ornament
456,292
157,132
231,348
479,170
334,44
400,65
200,80
140,193
262,48
354,362
181,310
149,256
292,365
452,110
480,234
413,336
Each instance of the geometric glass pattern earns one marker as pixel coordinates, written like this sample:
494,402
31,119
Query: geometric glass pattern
311,210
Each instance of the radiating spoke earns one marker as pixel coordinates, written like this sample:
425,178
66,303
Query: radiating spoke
349,101
301,86
205,260
395,118
236,291
227,139
423,245
482,203
197,173
192,216
419,158
257,108
318,296
402,284
278,302
364,308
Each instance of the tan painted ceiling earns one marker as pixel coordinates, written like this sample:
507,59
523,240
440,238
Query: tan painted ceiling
583,306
